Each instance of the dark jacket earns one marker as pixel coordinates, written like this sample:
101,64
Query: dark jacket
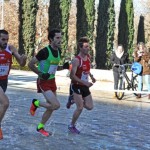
115,60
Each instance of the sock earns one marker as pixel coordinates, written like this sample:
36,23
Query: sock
40,125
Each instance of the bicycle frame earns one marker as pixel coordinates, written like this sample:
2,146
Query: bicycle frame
129,81
124,79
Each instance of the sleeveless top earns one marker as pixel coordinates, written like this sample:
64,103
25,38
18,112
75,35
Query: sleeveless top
5,63
83,70
50,64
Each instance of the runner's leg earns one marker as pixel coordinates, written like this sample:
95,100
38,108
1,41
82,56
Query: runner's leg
88,102
51,105
70,98
79,107
4,104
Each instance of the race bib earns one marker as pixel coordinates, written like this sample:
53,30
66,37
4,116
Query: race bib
85,76
4,70
52,69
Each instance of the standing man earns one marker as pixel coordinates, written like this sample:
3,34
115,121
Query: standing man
47,59
6,52
79,75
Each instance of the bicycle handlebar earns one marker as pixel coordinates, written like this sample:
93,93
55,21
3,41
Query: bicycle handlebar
123,65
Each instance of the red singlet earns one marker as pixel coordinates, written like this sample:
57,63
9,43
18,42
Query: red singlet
83,70
5,63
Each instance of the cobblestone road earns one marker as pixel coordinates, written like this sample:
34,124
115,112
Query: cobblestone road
111,125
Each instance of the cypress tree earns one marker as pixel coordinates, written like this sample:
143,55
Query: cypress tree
130,14
123,26
126,26
102,31
27,28
81,20
65,11
54,12
90,13
58,18
21,39
110,33
85,19
141,32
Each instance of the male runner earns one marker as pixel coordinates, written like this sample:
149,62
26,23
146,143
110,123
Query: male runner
47,59
80,85
6,52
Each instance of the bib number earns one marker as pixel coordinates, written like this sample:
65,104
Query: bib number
4,70
85,76
52,69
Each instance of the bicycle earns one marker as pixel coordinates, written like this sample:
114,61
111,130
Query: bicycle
125,82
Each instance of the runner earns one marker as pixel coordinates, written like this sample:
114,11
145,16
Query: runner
6,52
79,82
47,59
70,97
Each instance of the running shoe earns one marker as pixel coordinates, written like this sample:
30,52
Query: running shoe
73,129
70,101
33,107
43,132
1,134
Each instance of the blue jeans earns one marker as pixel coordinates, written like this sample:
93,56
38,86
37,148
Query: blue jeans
140,82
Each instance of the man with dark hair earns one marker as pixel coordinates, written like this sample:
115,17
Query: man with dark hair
6,52
80,84
47,59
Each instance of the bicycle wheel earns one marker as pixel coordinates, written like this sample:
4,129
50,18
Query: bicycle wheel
120,95
135,85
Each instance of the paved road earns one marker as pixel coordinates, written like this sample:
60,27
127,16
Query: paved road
111,125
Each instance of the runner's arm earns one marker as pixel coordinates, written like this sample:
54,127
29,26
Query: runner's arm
92,78
64,66
32,65
21,59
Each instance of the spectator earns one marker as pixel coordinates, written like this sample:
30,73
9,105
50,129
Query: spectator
118,57
142,55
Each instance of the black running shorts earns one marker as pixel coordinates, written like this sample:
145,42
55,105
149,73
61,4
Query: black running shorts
3,84
80,89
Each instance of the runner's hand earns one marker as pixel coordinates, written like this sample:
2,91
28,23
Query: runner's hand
88,84
93,79
44,76
23,59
